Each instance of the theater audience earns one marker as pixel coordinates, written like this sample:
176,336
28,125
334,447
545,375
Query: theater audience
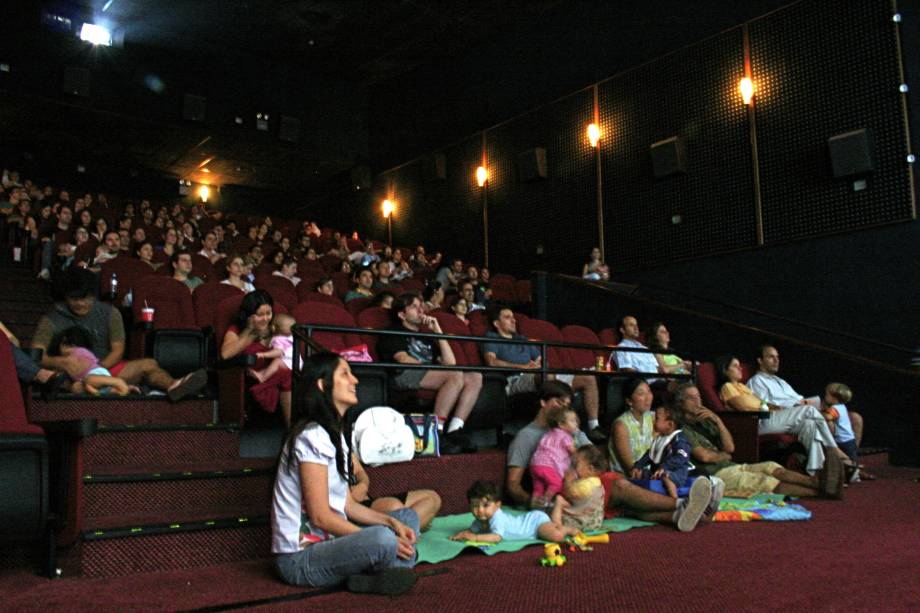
712,446
804,421
686,513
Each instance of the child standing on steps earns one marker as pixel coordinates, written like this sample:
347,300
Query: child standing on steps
492,525
553,456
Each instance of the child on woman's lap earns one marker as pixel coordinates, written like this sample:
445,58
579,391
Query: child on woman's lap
669,457
491,524
281,353
581,505
553,456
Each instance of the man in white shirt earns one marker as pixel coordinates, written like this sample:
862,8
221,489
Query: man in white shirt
800,416
633,361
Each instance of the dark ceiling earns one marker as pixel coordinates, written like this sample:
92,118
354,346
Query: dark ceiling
350,71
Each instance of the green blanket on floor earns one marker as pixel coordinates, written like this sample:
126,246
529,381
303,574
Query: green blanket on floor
435,545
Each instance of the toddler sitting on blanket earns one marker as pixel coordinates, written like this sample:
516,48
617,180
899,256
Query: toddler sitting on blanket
491,524
582,504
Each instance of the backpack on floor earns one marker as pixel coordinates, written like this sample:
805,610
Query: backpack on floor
380,436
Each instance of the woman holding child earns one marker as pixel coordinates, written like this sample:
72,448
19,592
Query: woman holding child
322,535
250,334
632,431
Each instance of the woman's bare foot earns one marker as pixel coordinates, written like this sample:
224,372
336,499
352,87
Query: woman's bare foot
255,374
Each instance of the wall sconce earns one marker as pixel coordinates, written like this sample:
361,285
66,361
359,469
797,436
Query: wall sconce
594,134
746,87
204,192
482,175
388,207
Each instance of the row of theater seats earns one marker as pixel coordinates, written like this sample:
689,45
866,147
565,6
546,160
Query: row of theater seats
188,329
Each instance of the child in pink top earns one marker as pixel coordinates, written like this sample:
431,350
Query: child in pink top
281,353
553,456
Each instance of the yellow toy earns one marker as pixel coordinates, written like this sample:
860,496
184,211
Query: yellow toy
552,555
584,542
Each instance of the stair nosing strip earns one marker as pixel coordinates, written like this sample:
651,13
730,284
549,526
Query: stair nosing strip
173,528
208,427
89,478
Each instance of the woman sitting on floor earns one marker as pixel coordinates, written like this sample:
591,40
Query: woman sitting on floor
321,536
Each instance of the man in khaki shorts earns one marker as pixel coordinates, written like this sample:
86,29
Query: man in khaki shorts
712,447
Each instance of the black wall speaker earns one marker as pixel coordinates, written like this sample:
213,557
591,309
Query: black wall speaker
290,129
194,107
669,157
852,153
436,167
532,164
75,81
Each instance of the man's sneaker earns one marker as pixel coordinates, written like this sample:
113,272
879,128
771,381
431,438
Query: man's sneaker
690,509
597,436
718,491
388,582
45,274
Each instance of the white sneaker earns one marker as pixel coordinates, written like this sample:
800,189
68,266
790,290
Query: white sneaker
690,510
45,274
718,491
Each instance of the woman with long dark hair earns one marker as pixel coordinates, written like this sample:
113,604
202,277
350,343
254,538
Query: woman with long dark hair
321,536
250,333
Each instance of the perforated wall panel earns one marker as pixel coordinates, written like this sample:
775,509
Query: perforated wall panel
821,72
548,224
690,94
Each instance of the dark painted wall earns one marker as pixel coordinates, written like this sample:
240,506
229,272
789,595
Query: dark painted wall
813,82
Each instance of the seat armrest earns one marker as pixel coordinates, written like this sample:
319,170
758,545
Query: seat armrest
744,430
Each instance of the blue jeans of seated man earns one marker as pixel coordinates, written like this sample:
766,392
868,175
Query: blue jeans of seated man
26,369
331,562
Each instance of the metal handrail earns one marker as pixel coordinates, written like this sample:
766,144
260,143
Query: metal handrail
789,320
298,332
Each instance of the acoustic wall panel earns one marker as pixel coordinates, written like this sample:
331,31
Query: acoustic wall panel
549,224
819,73
690,94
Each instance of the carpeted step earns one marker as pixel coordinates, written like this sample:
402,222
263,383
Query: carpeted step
138,549
152,446
136,410
119,499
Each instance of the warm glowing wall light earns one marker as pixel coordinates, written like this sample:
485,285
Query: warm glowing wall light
594,134
746,87
482,175
203,192
388,207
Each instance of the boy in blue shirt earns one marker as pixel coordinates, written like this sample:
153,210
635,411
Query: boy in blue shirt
491,524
